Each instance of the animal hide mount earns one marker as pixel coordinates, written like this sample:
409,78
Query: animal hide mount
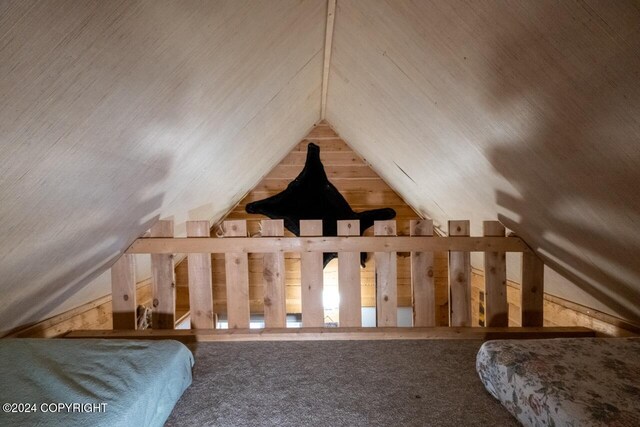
312,196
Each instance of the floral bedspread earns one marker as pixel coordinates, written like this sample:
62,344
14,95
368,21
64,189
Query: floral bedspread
565,381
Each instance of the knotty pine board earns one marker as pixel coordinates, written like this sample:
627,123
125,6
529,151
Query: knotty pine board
366,192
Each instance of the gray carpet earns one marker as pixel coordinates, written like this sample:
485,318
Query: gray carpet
338,383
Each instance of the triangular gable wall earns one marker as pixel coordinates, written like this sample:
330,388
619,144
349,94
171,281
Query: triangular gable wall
362,188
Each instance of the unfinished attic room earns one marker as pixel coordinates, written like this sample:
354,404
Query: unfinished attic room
320,213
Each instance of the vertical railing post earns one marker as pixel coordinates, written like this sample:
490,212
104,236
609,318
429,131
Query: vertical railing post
349,278
459,279
386,278
495,279
532,302
164,282
237,277
200,286
275,311
123,292
422,285
311,278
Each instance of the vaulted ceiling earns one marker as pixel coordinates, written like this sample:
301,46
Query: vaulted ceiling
113,114
116,113
526,110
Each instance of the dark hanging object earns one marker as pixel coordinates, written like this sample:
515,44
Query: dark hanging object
312,196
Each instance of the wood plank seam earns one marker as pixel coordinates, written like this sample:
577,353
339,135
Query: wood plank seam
328,45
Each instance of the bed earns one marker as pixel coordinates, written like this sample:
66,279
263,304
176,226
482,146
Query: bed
91,381
565,381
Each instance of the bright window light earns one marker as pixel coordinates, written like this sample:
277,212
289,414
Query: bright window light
330,298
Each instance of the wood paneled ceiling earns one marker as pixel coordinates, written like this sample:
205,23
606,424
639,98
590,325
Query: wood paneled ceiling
113,114
525,110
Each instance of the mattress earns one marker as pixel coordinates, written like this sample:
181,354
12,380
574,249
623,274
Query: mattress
565,381
65,382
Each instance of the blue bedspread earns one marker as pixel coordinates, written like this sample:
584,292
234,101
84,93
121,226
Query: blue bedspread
111,382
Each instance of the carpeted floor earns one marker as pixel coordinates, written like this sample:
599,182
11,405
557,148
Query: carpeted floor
338,383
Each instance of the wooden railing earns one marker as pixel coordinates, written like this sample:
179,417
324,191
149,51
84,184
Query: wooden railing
348,244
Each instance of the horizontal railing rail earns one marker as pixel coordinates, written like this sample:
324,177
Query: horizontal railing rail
236,246
183,245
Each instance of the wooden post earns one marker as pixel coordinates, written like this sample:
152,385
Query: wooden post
532,289
349,278
386,278
311,264
459,279
164,282
495,279
123,292
275,311
200,286
424,293
237,276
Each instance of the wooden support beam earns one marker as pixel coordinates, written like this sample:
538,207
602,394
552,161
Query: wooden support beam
275,312
96,314
424,294
328,244
459,279
349,278
495,267
311,264
123,290
386,278
330,334
532,290
163,281
328,45
200,285
237,277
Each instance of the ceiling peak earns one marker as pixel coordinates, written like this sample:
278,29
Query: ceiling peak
328,44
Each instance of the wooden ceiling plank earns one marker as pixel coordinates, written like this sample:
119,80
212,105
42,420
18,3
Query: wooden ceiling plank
328,44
